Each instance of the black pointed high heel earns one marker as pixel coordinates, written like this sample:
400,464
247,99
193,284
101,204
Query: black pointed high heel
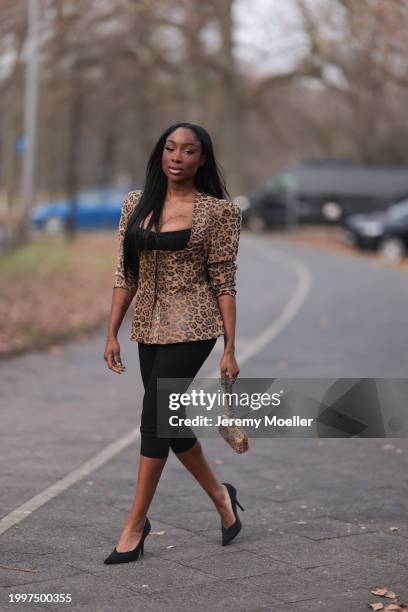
130,555
229,533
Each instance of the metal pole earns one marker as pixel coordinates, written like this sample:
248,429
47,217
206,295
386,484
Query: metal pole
30,114
74,146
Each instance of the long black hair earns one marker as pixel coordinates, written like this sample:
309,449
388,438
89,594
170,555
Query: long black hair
209,179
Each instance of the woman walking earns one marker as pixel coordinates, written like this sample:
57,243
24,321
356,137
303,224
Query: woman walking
178,242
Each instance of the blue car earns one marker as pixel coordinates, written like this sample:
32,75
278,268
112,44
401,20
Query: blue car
97,209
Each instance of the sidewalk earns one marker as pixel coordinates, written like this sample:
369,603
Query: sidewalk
325,520
316,533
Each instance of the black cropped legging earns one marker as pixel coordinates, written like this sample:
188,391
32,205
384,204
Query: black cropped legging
175,360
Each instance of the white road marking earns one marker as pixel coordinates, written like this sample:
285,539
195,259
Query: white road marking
292,307
23,511
304,283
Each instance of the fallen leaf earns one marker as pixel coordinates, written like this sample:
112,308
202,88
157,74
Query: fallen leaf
171,546
376,606
380,591
157,532
390,595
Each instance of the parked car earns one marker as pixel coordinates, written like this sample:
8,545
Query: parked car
273,205
97,208
386,232
263,213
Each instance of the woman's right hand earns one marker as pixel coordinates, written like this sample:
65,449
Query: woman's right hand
112,356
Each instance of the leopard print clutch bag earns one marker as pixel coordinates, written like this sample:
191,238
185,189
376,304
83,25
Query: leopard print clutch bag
235,436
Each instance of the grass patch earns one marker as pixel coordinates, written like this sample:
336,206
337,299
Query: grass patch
54,290
40,258
49,256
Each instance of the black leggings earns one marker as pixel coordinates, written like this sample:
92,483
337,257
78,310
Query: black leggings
175,360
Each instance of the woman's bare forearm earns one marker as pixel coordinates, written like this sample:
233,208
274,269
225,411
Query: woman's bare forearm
227,308
121,300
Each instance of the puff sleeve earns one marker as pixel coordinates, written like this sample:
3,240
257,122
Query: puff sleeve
119,275
222,247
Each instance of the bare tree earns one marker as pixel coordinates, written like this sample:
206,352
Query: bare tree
115,73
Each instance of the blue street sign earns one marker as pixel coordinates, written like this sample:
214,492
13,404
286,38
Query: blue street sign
20,144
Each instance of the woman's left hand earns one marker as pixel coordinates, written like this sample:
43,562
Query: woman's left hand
228,366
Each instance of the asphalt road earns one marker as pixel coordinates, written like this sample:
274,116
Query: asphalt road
325,519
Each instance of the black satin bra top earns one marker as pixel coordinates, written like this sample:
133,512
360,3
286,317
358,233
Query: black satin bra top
164,241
